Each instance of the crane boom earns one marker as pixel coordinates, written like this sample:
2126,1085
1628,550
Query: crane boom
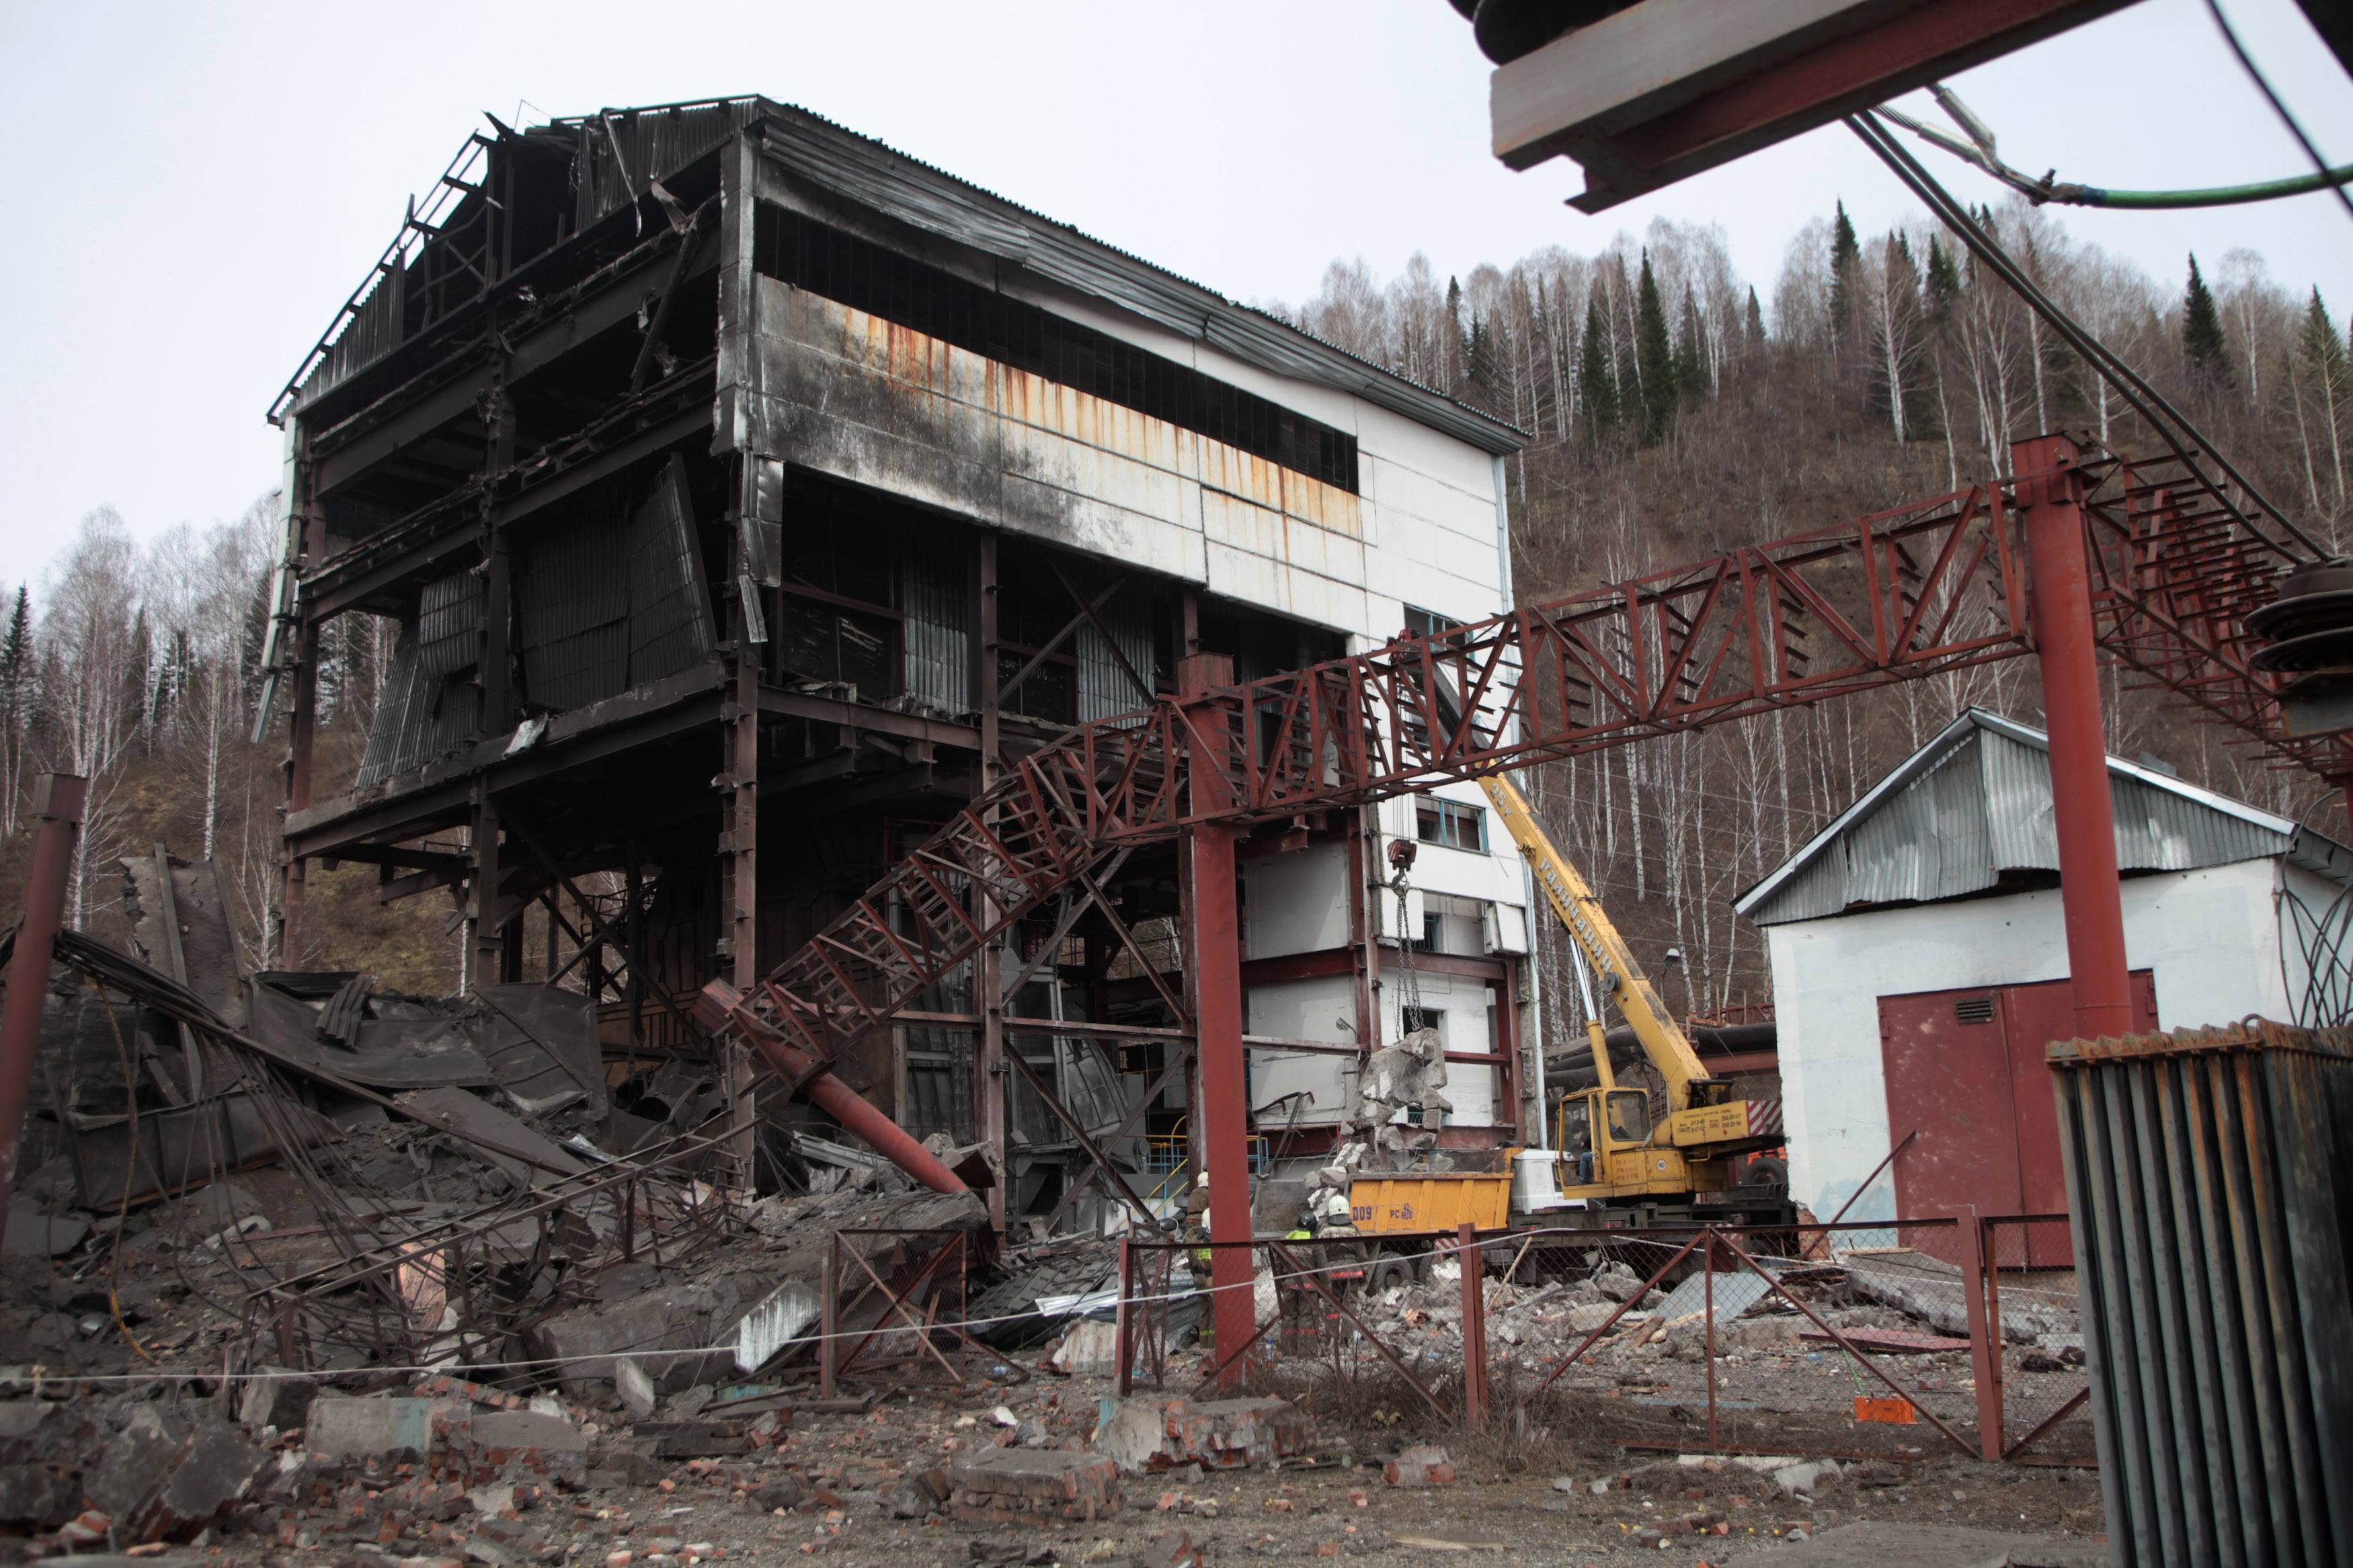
1580,912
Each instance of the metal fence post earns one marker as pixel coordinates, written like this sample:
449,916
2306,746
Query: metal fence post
831,1286
1707,1315
1985,1342
1475,1328
1123,1326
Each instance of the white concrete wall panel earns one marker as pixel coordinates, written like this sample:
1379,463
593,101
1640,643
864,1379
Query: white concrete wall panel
2210,938
1296,903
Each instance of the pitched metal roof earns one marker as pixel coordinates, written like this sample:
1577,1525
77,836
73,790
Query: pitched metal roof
1976,802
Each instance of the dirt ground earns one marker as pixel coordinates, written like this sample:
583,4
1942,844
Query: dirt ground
1527,1497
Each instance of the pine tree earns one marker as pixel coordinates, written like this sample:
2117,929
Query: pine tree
1754,334
1846,278
15,704
1691,353
1597,388
1944,284
1654,356
2323,380
2202,332
1454,319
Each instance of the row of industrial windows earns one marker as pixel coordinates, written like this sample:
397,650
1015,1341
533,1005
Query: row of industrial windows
866,276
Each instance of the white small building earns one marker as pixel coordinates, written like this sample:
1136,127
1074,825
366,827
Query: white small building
1919,962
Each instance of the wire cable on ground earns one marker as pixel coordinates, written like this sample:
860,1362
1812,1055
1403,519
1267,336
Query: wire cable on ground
2171,425
2263,84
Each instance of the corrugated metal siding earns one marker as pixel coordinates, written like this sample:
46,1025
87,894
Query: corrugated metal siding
1985,809
1105,689
571,613
392,712
429,699
669,609
935,596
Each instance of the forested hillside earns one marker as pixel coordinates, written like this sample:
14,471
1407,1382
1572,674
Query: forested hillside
1676,407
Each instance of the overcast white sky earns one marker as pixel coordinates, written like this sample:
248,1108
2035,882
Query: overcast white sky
200,185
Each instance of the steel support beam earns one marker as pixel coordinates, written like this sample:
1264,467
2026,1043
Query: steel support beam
2051,502
57,808
1213,918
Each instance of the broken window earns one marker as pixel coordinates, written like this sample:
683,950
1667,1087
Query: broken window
1450,824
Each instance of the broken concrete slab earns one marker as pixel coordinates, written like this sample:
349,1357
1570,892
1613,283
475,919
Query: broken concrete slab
1089,1349
277,1397
37,1497
776,1320
220,1468
1024,1486
1422,1465
138,1462
33,1234
1142,1435
349,1428
634,1389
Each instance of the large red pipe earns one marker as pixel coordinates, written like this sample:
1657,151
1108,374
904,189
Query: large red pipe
719,1006
57,816
2050,492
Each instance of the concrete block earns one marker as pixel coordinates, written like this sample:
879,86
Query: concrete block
36,1496
1023,1486
138,1462
635,1388
1143,1435
1089,1349
345,1428
1805,1476
220,1468
1253,1432
1422,1465
277,1397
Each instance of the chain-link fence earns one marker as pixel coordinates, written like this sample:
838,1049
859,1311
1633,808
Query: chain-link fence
2036,1325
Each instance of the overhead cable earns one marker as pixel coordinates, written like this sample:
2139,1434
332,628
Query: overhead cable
2187,441
2263,84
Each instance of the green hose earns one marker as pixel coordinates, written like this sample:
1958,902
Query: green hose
2211,196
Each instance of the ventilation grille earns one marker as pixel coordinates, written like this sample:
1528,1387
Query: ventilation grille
1973,1010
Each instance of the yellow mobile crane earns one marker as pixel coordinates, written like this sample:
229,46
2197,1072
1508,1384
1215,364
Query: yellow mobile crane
1611,1151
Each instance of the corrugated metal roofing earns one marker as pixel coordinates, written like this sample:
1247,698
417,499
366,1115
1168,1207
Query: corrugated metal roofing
1976,802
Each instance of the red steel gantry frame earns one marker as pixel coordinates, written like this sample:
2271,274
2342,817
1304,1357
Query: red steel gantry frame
2080,554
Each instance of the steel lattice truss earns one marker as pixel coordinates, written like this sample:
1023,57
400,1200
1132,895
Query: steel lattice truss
1933,587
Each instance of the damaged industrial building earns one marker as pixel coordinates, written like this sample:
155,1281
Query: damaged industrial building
746,493
973,776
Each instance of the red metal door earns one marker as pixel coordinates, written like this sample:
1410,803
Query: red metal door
1948,1080
1965,1069
2034,1016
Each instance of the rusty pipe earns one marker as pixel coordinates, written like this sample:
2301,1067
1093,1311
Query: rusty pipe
718,1007
58,800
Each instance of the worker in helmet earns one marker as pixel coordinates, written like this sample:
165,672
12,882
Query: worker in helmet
1196,1236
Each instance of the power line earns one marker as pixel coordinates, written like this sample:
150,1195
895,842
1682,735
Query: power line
2171,423
2263,84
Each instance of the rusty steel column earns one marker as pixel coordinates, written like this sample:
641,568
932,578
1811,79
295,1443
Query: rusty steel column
1221,1111
991,1120
1468,1254
302,728
57,808
2050,497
